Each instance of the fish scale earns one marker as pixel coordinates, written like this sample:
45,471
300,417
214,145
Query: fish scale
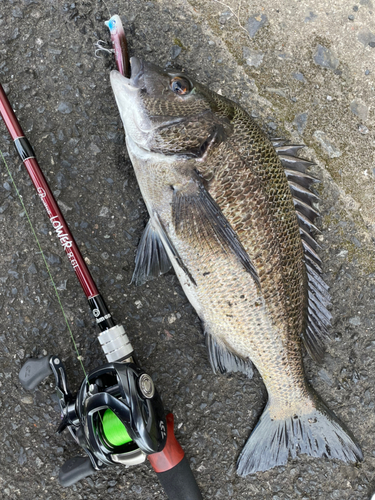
260,228
272,284
239,236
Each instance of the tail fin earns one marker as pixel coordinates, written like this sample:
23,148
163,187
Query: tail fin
318,434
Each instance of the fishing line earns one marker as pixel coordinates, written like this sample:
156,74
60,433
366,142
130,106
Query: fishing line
109,12
79,357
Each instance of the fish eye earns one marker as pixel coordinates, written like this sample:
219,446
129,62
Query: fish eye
180,85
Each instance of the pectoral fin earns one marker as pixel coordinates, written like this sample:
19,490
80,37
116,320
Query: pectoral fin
170,247
197,217
151,260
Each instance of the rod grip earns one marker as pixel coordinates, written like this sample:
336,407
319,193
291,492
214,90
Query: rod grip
173,469
179,482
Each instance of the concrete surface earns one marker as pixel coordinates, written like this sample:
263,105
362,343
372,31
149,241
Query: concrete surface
306,72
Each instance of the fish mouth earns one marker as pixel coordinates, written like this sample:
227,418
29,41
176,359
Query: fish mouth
136,73
127,92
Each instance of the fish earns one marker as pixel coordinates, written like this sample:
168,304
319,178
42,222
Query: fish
233,213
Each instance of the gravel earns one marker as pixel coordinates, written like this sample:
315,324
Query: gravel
62,97
366,37
255,23
331,150
360,109
299,76
325,58
300,121
253,57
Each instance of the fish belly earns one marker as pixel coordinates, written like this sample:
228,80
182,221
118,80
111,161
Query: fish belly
231,306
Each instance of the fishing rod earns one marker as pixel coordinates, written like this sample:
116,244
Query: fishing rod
117,416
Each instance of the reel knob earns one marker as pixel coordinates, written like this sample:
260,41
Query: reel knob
34,371
74,470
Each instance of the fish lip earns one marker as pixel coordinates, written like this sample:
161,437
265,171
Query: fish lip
137,67
132,83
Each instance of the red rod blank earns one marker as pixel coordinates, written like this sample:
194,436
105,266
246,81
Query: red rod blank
45,194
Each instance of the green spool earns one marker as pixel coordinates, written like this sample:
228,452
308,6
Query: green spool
114,430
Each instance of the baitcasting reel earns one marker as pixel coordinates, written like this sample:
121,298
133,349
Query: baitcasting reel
117,415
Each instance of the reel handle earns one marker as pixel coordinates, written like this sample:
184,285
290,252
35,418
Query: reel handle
74,470
34,371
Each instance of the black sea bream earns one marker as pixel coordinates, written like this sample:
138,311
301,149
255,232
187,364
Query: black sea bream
232,213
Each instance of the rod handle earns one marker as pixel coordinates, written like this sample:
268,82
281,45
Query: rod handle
179,482
173,469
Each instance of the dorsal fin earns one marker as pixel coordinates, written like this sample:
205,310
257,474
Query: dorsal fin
294,162
301,178
300,182
302,193
310,251
310,262
305,209
305,222
278,142
309,238
285,148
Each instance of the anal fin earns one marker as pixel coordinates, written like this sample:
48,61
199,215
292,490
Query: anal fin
224,361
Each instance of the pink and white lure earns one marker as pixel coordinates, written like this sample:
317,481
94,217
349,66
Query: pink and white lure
120,45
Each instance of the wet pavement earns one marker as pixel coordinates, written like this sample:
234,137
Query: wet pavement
305,72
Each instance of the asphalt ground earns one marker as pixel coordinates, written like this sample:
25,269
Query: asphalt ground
305,71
